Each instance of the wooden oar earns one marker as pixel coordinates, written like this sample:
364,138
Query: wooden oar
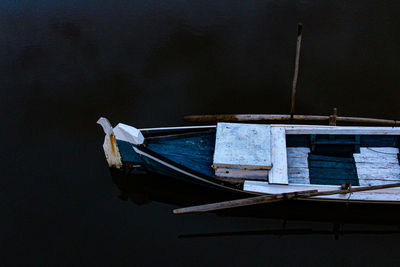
276,197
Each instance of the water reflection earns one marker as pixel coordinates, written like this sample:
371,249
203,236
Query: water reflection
337,231
335,219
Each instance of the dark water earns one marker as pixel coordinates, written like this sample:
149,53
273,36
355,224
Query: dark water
148,63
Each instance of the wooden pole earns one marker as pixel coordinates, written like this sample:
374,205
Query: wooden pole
284,117
276,197
296,69
333,117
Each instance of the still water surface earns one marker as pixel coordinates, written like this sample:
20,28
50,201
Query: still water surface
148,63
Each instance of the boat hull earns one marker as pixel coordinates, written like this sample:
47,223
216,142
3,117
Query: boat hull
137,158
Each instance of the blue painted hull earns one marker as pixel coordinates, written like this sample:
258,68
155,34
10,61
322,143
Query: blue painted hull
188,158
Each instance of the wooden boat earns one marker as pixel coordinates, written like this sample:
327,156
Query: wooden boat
274,161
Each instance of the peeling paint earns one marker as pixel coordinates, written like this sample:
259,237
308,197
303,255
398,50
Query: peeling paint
110,145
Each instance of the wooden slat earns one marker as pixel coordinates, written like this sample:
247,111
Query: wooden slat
297,152
298,172
263,187
332,170
369,182
297,163
306,129
377,165
244,174
339,130
324,158
278,174
330,164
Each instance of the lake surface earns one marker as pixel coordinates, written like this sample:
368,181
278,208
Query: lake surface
149,63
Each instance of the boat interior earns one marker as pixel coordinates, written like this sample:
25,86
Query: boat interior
296,155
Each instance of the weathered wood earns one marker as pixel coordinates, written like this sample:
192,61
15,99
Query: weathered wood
265,188
298,180
299,172
145,130
333,118
243,174
390,172
297,161
305,129
339,130
297,152
332,170
241,202
110,145
276,197
370,182
377,165
278,174
244,146
296,68
357,189
284,117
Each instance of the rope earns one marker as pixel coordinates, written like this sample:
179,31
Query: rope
382,152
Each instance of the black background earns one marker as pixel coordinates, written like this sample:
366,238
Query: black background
63,64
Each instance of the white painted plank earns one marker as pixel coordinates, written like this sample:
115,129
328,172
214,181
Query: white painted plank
298,172
298,180
378,173
377,165
279,172
297,158
371,159
374,154
339,130
238,173
381,195
176,128
311,129
392,151
245,146
298,152
369,182
297,163
298,176
264,187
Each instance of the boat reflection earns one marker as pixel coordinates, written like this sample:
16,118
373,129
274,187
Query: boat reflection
145,188
336,231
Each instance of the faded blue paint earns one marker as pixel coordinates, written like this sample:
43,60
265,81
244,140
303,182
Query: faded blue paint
127,152
332,170
365,140
194,151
